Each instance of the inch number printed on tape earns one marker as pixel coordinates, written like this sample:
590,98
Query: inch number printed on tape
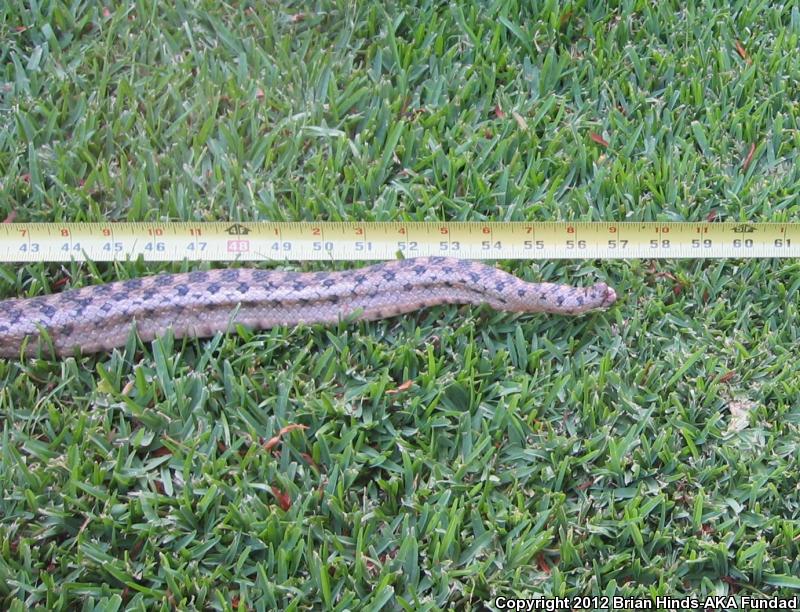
355,241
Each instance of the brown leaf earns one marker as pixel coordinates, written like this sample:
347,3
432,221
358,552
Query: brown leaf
667,274
372,567
749,158
60,282
731,581
743,52
275,440
309,459
542,564
403,387
284,501
598,139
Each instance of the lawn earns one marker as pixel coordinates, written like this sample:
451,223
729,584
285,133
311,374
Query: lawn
432,461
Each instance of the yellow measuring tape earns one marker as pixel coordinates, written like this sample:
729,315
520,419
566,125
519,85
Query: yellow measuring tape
279,241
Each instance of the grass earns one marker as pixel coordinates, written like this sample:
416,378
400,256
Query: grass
438,460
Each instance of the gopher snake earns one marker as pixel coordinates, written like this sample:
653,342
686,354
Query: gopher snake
100,317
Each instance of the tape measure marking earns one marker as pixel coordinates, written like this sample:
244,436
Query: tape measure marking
279,241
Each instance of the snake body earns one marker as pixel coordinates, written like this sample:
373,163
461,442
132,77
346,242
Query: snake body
100,317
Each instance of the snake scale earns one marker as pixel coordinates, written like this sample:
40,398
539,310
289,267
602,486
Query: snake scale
100,317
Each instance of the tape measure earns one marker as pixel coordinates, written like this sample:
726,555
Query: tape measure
279,241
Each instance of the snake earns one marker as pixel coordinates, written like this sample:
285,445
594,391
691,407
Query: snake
200,304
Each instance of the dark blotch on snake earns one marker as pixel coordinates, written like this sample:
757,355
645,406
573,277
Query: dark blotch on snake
135,283
213,288
198,277
47,310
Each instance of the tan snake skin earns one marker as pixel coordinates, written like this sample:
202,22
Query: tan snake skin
100,317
